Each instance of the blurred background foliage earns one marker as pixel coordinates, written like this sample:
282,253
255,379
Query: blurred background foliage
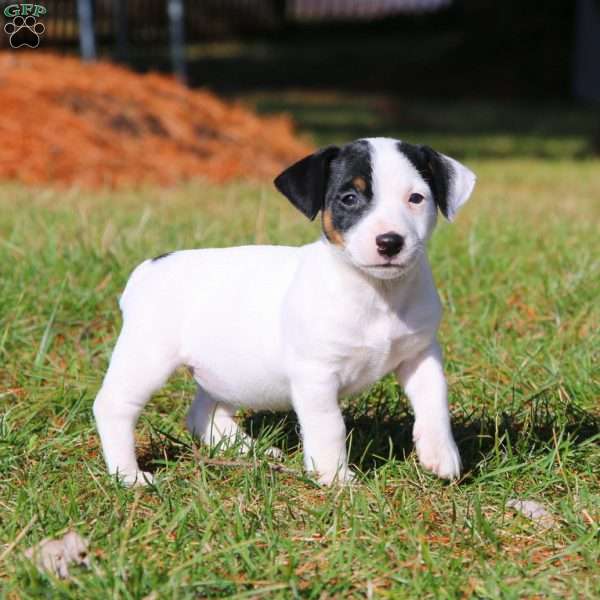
478,78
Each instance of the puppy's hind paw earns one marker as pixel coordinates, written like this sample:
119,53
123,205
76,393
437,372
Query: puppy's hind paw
274,453
341,477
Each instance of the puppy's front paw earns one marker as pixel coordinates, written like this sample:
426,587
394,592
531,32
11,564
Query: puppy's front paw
135,478
437,452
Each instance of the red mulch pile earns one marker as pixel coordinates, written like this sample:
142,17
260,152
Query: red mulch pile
96,125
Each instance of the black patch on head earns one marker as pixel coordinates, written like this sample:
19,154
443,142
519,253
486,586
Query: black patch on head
433,169
305,182
350,172
161,256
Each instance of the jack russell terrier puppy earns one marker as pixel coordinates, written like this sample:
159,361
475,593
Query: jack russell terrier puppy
276,327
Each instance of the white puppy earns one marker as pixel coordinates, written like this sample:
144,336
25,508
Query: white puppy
273,327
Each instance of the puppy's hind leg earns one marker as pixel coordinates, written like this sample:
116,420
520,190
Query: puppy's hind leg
210,421
136,370
213,422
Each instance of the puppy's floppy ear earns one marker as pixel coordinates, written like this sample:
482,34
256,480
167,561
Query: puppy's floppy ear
451,182
305,182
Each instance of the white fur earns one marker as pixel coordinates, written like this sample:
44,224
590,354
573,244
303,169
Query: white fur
271,327
394,180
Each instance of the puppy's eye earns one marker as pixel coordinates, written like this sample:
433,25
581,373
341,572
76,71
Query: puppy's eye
416,198
349,199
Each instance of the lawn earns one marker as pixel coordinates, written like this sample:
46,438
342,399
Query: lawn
519,277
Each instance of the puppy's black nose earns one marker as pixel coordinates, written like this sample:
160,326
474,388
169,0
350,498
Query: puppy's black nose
389,244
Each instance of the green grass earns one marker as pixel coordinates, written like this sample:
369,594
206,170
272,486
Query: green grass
519,276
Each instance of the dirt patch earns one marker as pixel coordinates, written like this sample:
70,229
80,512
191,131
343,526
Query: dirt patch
97,125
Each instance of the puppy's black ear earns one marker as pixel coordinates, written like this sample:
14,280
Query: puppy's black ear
451,182
305,182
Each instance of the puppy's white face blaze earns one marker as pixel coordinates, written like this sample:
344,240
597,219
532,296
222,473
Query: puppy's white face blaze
389,238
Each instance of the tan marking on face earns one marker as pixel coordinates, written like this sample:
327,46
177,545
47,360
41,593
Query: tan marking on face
359,183
333,235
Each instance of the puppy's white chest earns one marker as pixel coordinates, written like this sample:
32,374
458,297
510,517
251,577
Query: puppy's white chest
379,344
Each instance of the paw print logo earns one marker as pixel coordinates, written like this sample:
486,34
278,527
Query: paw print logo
24,31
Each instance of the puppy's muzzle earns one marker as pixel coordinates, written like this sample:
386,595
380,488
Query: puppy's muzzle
389,244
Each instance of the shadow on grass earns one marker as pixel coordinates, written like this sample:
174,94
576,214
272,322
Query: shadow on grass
377,437
163,448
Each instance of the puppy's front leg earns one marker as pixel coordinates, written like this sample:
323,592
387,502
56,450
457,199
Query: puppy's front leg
425,385
323,431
